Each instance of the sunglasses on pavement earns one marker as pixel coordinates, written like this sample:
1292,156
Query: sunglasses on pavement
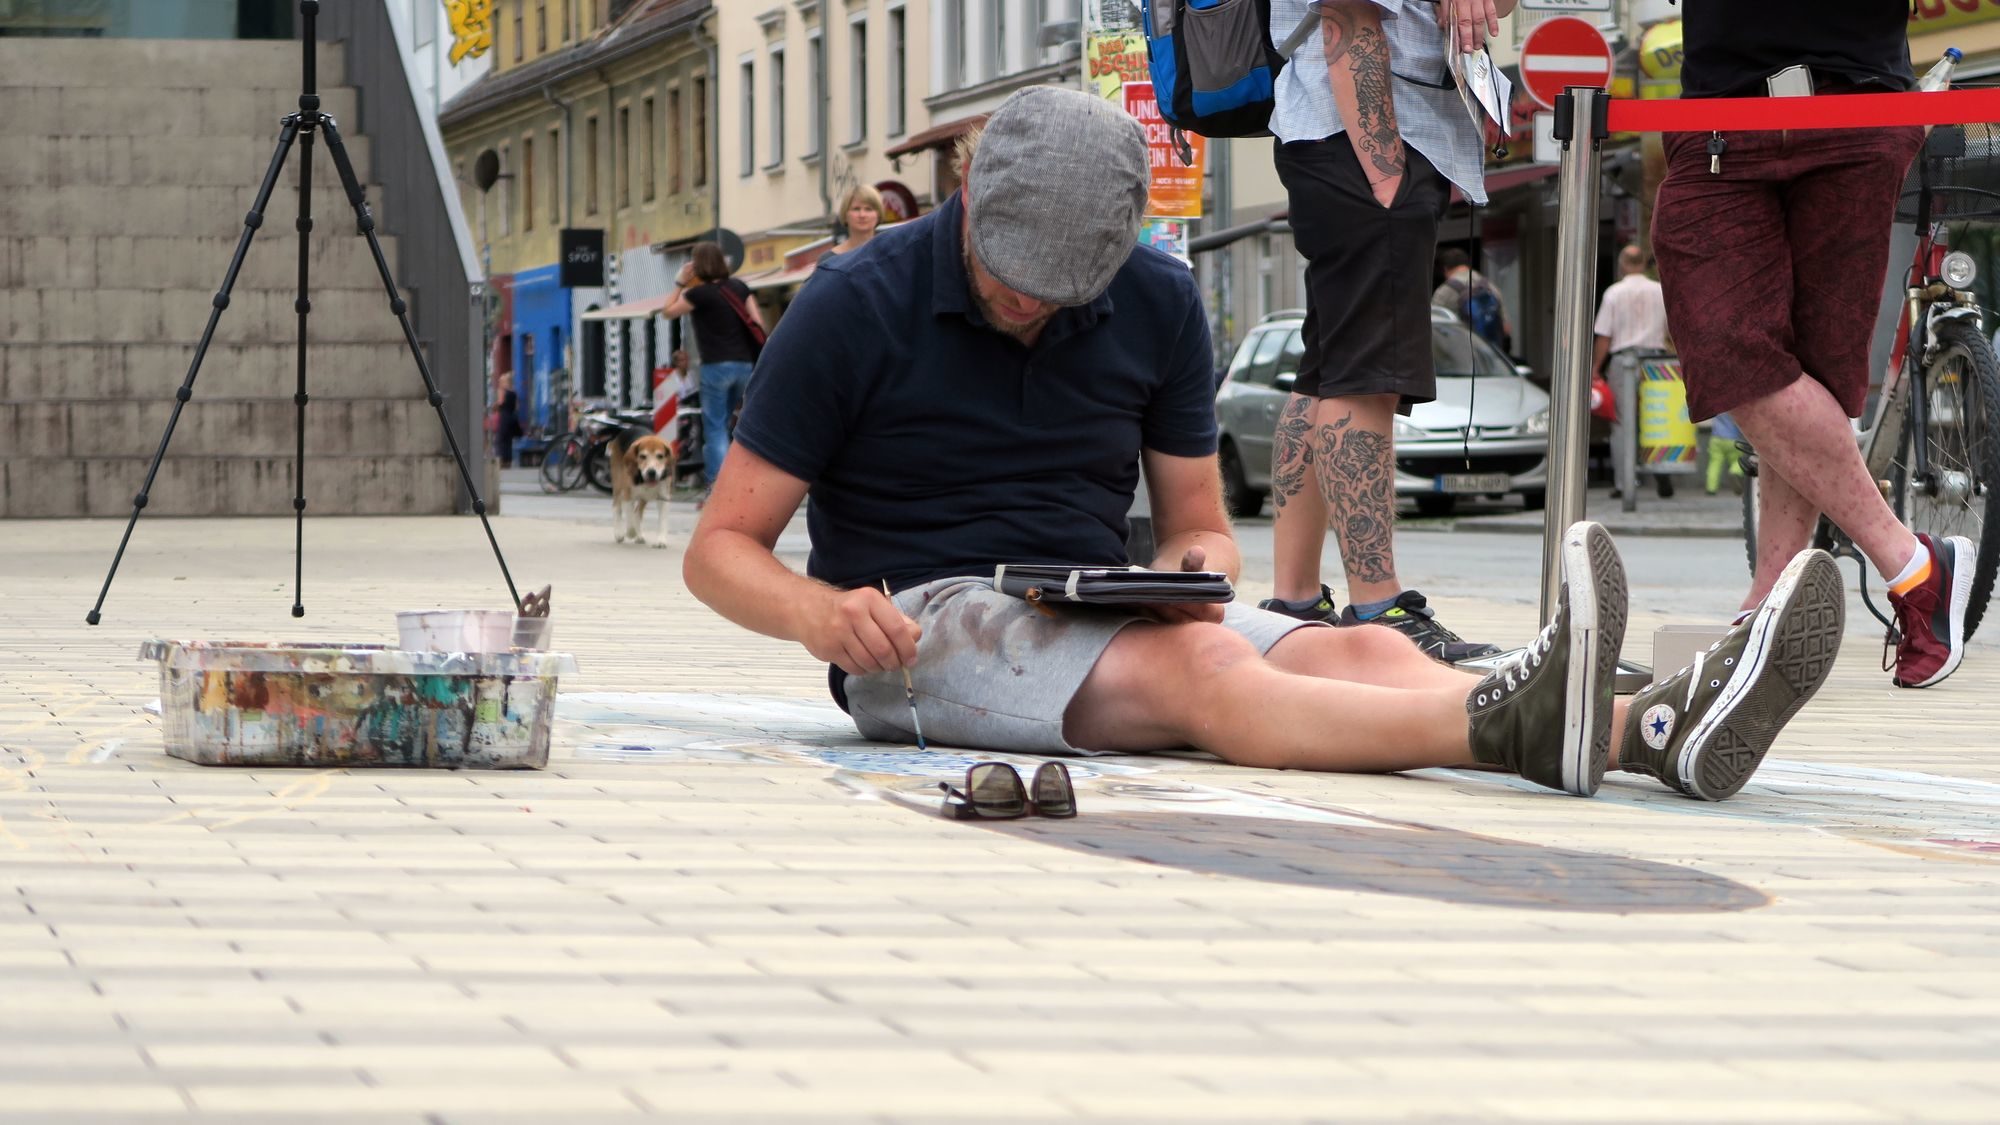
993,791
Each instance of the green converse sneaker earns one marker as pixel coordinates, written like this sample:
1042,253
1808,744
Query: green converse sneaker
1705,729
1545,712
1310,609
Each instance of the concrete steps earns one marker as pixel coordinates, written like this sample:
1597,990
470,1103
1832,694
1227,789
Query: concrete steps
334,370
117,161
126,170
219,427
398,484
29,316
144,63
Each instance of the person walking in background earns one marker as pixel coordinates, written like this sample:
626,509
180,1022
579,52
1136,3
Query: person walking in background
1631,316
861,213
1772,249
1724,454
1466,292
728,332
507,426
1368,158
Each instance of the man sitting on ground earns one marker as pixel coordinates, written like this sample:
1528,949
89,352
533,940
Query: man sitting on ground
1007,362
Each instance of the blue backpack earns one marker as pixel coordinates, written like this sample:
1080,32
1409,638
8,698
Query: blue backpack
1482,313
1214,66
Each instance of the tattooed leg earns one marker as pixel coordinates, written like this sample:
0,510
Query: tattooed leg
1298,525
1355,457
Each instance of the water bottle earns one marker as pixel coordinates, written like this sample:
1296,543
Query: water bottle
1938,77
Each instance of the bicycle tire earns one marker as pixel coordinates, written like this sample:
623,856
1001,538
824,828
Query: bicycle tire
1750,488
1961,379
597,466
562,466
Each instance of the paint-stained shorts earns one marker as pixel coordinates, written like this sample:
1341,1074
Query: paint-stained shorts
1773,267
995,673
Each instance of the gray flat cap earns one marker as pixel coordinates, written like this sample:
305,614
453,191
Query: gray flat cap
1056,193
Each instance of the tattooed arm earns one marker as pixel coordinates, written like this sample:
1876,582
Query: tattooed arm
1357,63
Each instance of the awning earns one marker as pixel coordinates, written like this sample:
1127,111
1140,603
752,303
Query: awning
777,278
938,136
630,310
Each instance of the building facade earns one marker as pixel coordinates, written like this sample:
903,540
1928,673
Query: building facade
597,120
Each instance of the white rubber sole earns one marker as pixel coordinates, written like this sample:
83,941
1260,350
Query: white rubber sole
1594,585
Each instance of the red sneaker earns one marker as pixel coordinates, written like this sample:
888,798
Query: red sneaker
1929,637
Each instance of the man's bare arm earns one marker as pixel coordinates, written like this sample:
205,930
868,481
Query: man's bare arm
1190,523
1357,63
731,568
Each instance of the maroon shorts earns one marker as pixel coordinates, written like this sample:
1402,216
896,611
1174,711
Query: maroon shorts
1773,268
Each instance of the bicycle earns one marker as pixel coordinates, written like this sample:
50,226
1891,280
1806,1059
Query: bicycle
563,462
1936,455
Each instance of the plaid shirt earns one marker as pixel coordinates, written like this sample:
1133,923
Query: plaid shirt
1429,112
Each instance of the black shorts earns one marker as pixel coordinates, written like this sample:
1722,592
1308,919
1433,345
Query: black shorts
1368,272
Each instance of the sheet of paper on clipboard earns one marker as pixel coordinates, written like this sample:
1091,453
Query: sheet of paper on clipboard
1485,88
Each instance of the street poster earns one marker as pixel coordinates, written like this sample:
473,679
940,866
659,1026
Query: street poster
1168,236
1176,188
1114,60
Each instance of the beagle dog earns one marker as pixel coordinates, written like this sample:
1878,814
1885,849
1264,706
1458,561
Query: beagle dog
642,472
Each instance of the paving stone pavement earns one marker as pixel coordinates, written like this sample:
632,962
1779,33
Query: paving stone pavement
718,904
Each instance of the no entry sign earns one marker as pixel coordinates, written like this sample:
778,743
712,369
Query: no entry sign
1564,51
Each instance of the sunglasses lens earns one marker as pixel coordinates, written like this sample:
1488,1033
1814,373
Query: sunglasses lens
1053,794
996,791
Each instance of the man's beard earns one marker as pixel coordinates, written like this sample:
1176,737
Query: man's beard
1020,333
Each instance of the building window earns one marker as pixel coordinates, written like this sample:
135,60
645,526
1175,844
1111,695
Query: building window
698,136
777,107
507,190
818,93
959,72
675,137
857,94
623,139
541,26
646,154
996,38
748,116
558,177
527,184
899,82
590,165
424,20
568,20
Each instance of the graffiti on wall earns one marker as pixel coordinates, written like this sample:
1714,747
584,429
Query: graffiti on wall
471,28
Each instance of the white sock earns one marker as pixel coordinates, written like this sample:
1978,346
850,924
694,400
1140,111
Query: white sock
1919,558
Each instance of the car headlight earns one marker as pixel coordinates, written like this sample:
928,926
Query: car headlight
1959,270
1409,431
1536,423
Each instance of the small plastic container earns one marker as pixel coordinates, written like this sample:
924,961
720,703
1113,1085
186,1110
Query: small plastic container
531,633
455,630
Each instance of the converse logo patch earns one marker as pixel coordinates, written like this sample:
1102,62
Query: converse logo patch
1657,725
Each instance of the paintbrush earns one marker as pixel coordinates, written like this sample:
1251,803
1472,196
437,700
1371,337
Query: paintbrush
909,689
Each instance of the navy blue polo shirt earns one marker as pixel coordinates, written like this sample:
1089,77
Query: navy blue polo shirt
935,446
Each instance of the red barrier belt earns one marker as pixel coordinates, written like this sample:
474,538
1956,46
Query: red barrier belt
1843,111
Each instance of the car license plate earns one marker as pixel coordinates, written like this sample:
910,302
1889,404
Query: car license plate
1473,482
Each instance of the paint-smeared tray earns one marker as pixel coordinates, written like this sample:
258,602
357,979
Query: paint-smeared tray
316,704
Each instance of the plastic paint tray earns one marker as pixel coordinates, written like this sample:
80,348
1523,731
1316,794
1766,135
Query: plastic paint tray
355,705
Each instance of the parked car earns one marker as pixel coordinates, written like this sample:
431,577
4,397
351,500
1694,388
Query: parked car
1487,433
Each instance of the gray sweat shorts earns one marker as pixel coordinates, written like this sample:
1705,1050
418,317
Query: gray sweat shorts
995,673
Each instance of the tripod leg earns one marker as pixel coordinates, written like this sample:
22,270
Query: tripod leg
303,306
359,200
286,134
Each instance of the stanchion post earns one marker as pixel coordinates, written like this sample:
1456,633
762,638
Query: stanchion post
1580,126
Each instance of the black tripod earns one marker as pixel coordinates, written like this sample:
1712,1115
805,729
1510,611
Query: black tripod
300,127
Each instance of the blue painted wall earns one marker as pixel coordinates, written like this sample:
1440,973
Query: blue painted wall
541,311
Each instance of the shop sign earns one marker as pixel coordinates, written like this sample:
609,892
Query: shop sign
1661,51
898,200
1927,16
471,28
1114,60
1176,187
582,252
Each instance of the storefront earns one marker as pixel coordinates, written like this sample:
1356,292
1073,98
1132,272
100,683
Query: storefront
541,320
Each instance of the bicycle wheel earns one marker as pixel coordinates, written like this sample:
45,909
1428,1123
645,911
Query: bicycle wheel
562,466
1750,489
596,462
1961,385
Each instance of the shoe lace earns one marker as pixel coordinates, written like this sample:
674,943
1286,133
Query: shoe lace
1909,621
1516,670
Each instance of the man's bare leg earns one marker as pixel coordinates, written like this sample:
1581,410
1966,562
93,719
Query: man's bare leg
1805,436
1298,520
1784,528
1354,455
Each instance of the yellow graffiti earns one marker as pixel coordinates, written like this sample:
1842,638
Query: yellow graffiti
472,27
